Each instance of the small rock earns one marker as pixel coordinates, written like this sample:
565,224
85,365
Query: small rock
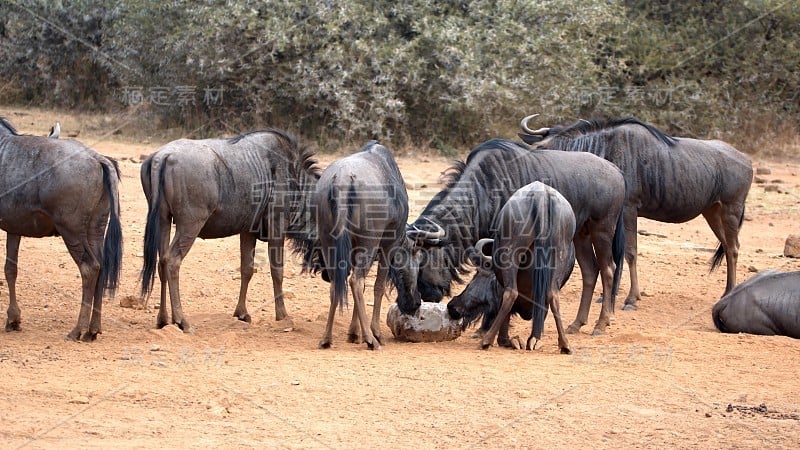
708,414
80,400
431,323
752,269
759,180
776,181
771,188
645,294
295,383
155,347
763,171
131,301
791,248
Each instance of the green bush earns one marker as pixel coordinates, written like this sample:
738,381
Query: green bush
440,74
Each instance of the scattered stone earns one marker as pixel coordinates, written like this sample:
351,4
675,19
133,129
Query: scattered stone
645,294
155,347
771,188
792,246
752,269
777,181
763,171
431,323
759,180
131,301
80,400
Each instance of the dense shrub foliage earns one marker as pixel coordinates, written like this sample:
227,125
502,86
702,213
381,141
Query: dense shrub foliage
421,72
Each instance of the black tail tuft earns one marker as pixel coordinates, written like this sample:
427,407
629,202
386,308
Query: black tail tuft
618,253
112,245
544,259
152,230
715,315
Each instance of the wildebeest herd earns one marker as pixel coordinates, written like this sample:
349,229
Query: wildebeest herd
522,213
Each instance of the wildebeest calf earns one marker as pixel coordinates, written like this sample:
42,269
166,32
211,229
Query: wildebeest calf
533,255
768,304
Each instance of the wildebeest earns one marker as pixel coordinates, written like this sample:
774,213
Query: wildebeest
669,179
465,210
768,304
52,187
256,185
361,208
532,258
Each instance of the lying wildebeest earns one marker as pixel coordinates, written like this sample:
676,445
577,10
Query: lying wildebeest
256,185
361,213
768,304
465,210
62,188
669,179
532,258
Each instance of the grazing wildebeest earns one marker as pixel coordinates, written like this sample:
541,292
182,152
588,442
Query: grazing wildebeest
53,187
465,210
361,214
256,185
669,179
768,304
532,258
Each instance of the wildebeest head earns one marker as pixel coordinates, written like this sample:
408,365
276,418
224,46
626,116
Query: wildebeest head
435,273
403,270
482,295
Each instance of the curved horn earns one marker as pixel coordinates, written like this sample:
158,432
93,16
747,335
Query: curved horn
479,248
524,125
432,237
55,131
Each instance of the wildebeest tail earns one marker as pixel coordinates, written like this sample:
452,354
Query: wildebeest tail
152,169
112,244
342,209
720,253
544,258
715,315
618,254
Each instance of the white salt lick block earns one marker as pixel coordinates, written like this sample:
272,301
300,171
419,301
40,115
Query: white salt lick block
431,323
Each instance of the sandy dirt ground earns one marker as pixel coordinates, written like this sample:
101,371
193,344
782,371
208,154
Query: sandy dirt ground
661,376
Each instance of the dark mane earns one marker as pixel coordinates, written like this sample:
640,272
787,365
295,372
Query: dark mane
585,127
450,177
7,125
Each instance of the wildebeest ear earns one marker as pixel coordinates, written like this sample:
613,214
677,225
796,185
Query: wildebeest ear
530,139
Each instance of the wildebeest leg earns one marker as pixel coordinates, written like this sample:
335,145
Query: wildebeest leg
379,291
725,225
357,287
162,319
185,234
563,343
276,272
247,247
325,342
354,330
502,335
630,219
509,295
588,265
96,247
602,246
89,267
12,252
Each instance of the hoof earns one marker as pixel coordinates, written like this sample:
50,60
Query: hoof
629,307
477,335
374,345
244,318
505,342
573,329
484,346
74,335
89,336
566,351
325,344
354,338
13,326
598,332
